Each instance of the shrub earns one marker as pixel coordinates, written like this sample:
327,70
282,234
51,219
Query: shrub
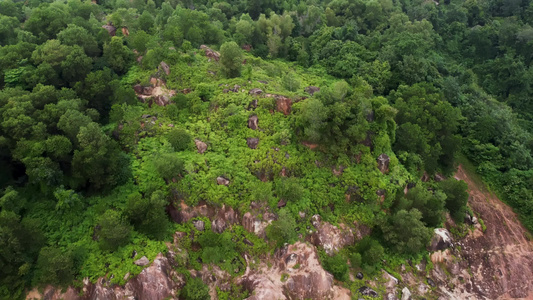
179,139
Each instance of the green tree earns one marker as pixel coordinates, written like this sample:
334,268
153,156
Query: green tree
54,267
456,197
283,230
168,165
179,139
405,232
117,55
114,230
148,214
75,35
231,59
76,66
337,266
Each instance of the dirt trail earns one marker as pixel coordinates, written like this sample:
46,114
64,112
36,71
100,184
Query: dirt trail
500,259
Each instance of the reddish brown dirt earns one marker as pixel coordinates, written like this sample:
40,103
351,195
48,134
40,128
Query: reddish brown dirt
500,259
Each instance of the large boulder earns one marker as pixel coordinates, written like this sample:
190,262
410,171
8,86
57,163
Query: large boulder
283,104
383,163
143,261
331,238
442,239
112,30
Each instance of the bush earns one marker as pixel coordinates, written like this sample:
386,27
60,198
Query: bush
195,289
337,266
179,139
283,230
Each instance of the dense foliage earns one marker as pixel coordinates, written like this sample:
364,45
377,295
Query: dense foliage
88,170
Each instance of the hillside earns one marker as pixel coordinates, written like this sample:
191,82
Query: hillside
253,149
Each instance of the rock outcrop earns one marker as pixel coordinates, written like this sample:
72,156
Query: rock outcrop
441,240
225,217
304,277
330,238
210,53
383,163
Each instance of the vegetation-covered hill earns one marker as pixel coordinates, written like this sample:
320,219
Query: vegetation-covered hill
118,115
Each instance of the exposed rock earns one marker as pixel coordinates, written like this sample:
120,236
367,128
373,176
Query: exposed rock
383,163
442,239
247,47
125,31
359,275
225,91
390,296
256,225
210,53
253,122
183,213
138,89
312,89
366,291
236,88
391,281
283,104
201,146
112,30
439,177
255,92
222,181
199,225
309,281
329,237
165,67
406,294
422,289
252,142
262,81
225,217
143,261
425,177
282,203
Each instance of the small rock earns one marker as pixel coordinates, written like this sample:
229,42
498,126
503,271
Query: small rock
252,142
391,296
199,225
366,291
133,254
262,81
222,181
312,89
201,146
383,163
252,122
422,289
359,275
406,294
165,67
126,276
301,214
255,92
248,242
143,261
431,282
474,220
